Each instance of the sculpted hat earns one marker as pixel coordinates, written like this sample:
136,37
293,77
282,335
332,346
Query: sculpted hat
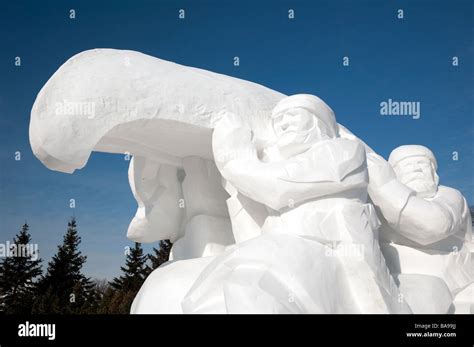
407,151
311,103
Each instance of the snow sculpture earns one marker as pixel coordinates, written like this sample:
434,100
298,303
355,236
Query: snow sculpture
426,232
314,186
264,196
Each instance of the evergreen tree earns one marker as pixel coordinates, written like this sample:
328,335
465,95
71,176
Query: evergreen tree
134,271
108,303
162,254
18,272
96,298
64,289
119,298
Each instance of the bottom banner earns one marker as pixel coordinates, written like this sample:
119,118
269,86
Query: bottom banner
231,329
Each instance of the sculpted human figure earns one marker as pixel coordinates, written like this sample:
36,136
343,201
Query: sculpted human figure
187,210
182,205
426,232
314,186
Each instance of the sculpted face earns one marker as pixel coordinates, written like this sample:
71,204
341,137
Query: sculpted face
297,129
418,173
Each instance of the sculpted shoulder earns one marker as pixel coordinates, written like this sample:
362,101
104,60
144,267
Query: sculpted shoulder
450,196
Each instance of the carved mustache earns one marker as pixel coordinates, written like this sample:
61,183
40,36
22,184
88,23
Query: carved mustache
417,176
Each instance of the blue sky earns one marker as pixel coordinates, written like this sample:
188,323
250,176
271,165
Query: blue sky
405,60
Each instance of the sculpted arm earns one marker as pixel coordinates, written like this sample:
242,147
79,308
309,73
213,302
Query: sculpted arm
420,220
157,190
237,160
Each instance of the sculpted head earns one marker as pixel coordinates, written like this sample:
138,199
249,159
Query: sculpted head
301,120
415,167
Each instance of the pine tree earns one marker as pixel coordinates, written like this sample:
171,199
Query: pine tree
97,297
124,288
162,254
64,288
18,273
134,271
105,305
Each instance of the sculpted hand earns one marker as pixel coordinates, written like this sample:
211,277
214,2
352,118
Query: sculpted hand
380,171
232,139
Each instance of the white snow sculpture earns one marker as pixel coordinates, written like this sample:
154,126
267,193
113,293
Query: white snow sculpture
157,190
164,114
426,229
314,186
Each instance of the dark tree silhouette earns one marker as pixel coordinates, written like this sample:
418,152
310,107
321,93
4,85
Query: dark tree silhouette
119,298
64,288
161,255
18,272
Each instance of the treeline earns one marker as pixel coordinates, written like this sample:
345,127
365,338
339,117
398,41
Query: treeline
63,288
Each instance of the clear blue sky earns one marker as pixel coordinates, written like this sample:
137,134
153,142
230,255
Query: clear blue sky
405,60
